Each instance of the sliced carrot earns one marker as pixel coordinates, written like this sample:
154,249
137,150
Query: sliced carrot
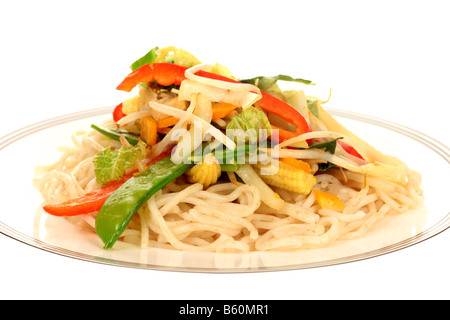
299,164
164,130
328,201
149,130
221,109
167,122
167,74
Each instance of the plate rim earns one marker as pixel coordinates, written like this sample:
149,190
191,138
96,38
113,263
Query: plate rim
435,145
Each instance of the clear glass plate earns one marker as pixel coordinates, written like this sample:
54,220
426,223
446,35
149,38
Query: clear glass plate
23,219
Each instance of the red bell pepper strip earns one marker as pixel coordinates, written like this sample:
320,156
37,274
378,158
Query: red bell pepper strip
90,202
349,149
167,74
276,106
118,113
93,201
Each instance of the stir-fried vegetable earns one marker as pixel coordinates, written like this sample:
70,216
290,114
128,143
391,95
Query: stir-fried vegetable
288,177
379,164
110,165
167,74
268,196
177,92
217,94
327,200
115,133
206,172
166,122
118,112
298,164
132,104
88,203
253,123
123,203
329,147
149,57
177,56
222,109
149,130
286,112
268,83
93,201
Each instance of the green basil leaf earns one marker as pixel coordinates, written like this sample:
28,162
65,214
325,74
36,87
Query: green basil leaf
330,147
266,83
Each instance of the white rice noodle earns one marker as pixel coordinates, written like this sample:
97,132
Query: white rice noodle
167,140
236,217
324,134
133,117
240,98
190,74
193,138
241,94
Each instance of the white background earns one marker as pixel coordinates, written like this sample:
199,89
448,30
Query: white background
389,59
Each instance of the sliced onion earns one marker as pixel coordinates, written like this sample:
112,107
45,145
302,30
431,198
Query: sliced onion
268,196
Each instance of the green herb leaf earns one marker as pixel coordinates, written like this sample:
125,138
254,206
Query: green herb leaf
330,147
110,165
266,83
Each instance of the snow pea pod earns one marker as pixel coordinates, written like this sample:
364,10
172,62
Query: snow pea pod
116,133
117,211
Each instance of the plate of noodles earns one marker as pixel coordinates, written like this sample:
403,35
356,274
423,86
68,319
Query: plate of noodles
200,170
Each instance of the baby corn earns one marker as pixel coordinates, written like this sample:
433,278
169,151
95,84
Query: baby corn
288,177
132,104
207,172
